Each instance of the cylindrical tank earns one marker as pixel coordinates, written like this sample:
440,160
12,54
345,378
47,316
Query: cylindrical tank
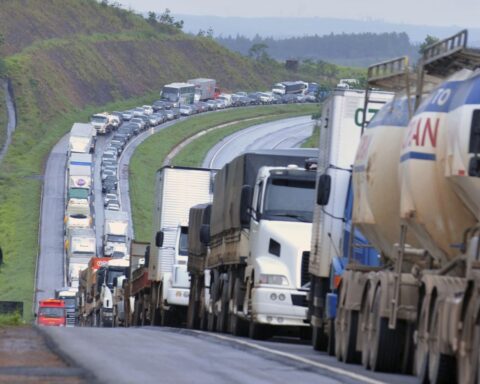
376,209
434,157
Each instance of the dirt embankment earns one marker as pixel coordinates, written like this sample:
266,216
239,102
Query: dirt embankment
25,357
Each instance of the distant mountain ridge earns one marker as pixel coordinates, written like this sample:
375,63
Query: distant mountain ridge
288,27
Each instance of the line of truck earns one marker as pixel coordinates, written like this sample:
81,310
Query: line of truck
372,247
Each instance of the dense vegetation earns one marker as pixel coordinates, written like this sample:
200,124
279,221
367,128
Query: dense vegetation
347,49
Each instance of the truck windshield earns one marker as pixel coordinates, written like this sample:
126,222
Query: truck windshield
98,119
171,94
183,242
116,238
52,312
112,274
289,199
69,302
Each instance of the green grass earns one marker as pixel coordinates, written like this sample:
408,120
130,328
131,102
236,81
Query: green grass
312,141
11,319
149,156
20,188
3,118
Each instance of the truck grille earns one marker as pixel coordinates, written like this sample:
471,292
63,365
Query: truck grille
305,277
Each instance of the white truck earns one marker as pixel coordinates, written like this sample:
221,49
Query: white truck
110,277
80,247
167,292
116,233
259,240
103,123
341,129
69,296
79,171
82,138
77,215
204,88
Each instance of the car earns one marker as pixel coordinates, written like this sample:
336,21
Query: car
289,99
109,155
186,110
202,106
158,105
110,184
147,109
134,128
109,197
108,172
146,120
212,105
127,115
121,136
220,103
126,130
112,147
113,205
119,117
140,121
137,111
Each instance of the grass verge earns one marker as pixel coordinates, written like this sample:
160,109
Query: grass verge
3,116
20,188
11,319
149,156
312,141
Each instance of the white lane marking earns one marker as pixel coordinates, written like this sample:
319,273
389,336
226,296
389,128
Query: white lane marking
338,371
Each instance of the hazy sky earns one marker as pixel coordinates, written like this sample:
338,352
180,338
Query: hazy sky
464,13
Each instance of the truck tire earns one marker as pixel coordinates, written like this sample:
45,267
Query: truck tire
192,310
211,322
331,337
350,355
258,331
387,345
223,315
468,356
441,367
238,326
319,339
421,351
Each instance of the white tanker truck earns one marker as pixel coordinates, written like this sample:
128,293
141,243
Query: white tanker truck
416,199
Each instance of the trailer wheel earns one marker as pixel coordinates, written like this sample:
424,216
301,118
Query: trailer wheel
211,322
421,351
223,315
319,339
441,367
339,332
387,344
365,328
331,337
469,345
192,311
350,355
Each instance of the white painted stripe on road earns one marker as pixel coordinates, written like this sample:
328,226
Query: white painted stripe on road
338,371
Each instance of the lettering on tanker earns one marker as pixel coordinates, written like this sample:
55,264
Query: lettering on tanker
359,115
422,132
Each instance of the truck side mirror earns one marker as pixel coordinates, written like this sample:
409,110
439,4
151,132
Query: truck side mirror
159,239
323,189
115,281
245,202
205,234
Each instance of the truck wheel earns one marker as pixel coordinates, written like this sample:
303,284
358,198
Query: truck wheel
339,332
211,322
421,351
222,317
331,337
350,355
469,345
192,310
387,344
258,331
441,367
238,326
319,339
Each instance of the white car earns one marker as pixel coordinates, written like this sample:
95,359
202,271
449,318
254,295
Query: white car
147,109
109,197
113,205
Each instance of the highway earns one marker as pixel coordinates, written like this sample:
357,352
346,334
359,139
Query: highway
155,354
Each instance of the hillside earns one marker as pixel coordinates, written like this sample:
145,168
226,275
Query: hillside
68,59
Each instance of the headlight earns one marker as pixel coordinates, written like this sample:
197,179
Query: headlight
273,279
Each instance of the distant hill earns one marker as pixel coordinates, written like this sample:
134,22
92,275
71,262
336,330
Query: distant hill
360,49
300,26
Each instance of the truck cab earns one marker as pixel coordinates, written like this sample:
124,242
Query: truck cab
69,296
107,276
51,312
178,284
280,231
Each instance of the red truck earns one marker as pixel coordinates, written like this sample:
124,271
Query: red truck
51,312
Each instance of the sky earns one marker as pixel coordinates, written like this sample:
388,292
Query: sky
463,13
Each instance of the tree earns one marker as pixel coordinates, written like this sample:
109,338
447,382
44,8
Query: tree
429,40
258,51
167,18
152,17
